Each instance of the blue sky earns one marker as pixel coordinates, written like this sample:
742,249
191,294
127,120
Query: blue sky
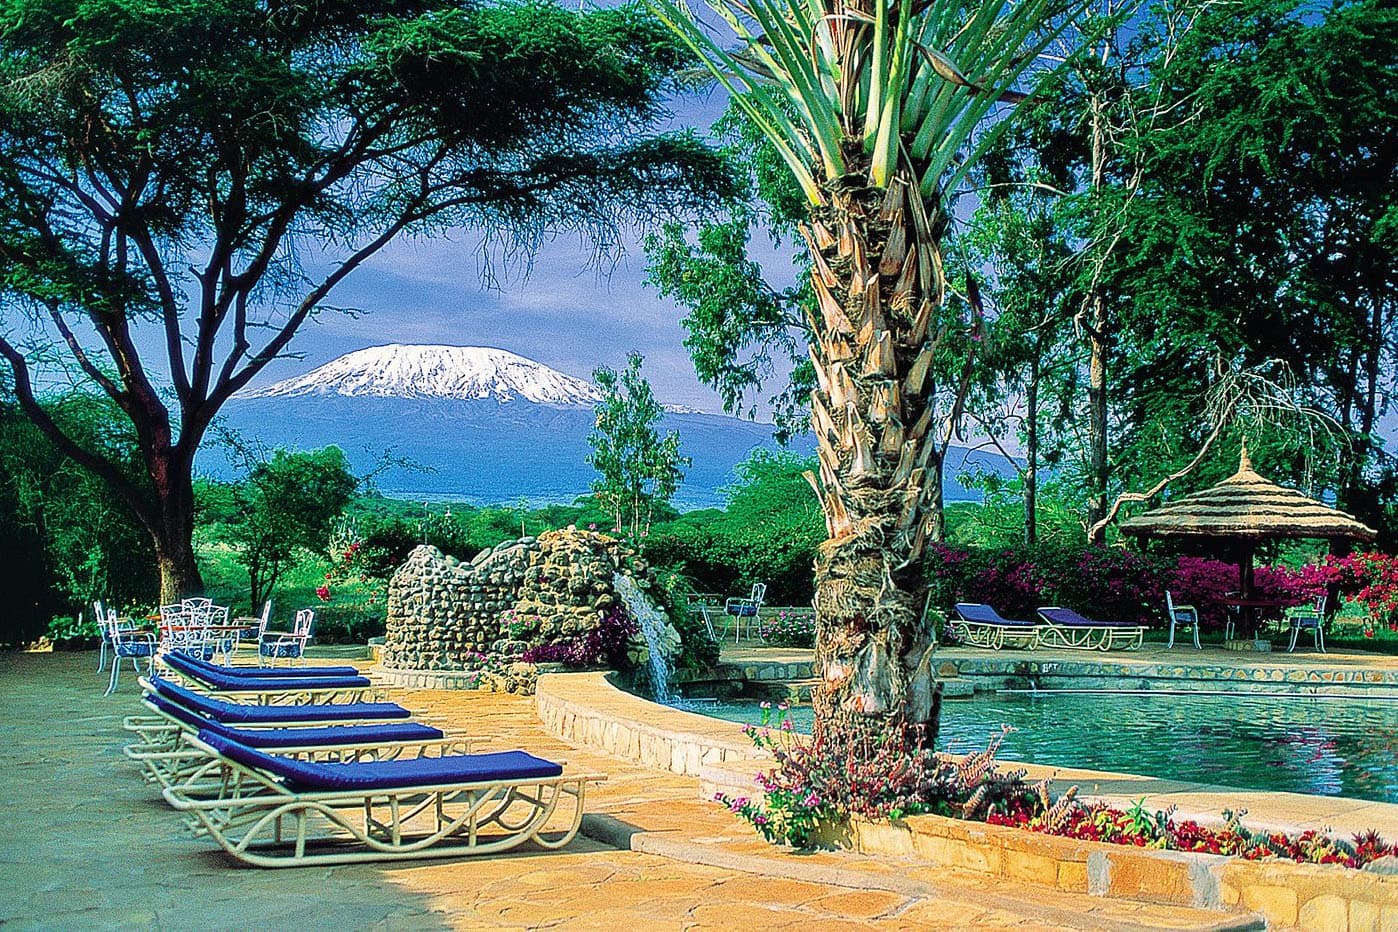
564,312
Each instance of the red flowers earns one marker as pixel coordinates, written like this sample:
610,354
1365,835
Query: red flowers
323,593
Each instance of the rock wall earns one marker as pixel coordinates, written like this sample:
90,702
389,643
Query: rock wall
446,615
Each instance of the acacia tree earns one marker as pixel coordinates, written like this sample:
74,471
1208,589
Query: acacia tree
878,110
637,468
210,171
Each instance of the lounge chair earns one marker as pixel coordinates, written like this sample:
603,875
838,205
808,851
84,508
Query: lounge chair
274,811
268,690
265,716
1064,627
254,672
158,740
981,625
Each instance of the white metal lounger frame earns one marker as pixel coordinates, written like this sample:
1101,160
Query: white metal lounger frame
1090,637
164,760
247,812
993,636
299,696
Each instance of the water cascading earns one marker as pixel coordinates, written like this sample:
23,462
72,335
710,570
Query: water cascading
653,624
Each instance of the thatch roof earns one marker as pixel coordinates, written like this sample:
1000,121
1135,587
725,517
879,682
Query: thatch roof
1249,507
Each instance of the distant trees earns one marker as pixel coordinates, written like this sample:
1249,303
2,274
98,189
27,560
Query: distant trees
637,468
212,172
286,503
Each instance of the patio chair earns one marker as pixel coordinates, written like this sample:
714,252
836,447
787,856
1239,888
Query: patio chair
1183,616
739,608
1064,627
101,618
253,715
267,690
339,813
978,624
157,748
1307,618
128,644
290,645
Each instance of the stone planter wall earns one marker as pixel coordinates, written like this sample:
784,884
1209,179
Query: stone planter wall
445,614
1288,895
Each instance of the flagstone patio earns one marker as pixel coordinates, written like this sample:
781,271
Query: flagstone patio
87,844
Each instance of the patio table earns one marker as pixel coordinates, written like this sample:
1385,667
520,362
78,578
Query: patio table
1251,609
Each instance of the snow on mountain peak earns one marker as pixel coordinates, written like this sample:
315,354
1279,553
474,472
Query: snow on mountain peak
424,371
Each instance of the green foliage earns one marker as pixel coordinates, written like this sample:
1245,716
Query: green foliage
698,650
768,533
740,329
287,503
89,544
216,136
637,468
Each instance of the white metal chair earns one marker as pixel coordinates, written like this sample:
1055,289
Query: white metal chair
739,609
1183,616
101,617
1303,617
128,643
289,645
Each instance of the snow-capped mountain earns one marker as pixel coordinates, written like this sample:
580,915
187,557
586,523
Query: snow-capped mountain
481,425
417,371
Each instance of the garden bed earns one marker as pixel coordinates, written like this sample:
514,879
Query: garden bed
1288,894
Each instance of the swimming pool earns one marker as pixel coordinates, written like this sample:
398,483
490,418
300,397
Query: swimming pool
1326,747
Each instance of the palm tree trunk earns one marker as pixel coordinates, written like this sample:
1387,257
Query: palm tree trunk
877,284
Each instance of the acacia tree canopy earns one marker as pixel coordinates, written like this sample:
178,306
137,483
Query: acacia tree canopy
214,168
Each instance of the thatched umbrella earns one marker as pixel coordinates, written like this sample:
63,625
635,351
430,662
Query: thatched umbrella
1247,508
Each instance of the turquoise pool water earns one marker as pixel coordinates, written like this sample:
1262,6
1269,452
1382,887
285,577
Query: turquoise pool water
1327,747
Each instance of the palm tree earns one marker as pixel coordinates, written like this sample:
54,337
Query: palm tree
879,110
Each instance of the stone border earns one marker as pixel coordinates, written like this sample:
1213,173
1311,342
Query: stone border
1128,674
1310,896
426,679
588,710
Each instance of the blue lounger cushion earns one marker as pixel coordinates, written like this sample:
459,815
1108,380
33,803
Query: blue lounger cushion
218,678
378,775
983,614
329,736
1068,618
246,714
292,672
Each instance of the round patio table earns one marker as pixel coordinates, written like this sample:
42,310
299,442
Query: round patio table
1251,610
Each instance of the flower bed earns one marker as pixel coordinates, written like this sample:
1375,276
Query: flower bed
817,784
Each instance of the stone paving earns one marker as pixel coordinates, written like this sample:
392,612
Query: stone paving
86,844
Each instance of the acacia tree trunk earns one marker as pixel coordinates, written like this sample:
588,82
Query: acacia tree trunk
877,286
172,529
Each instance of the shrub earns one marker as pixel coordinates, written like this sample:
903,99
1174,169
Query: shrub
789,629
817,784
699,651
603,645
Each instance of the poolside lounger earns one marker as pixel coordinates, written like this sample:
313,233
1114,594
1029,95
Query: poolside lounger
159,738
260,715
258,672
275,811
979,624
269,690
1064,627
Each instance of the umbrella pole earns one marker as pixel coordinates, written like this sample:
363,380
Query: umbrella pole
1245,587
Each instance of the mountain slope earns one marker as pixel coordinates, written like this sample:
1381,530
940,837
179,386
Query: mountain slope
457,372
469,416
